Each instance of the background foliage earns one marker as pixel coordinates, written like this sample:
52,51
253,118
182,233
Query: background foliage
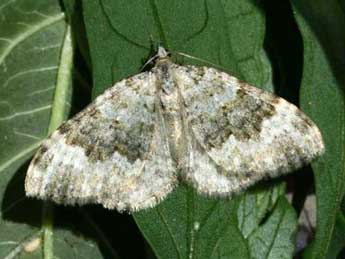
55,56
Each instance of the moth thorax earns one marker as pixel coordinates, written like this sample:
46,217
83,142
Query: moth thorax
169,97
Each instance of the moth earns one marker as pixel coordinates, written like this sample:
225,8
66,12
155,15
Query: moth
131,146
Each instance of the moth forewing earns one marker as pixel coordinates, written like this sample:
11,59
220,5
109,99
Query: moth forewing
129,147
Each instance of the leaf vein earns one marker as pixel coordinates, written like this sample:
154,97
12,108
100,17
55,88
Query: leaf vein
35,28
16,114
170,233
19,74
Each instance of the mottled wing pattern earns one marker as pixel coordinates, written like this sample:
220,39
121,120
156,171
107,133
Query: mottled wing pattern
241,134
114,152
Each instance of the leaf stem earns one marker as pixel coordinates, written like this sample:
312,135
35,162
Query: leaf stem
47,227
62,83
57,116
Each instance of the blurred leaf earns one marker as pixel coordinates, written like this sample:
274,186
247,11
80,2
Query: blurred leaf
35,68
322,97
229,35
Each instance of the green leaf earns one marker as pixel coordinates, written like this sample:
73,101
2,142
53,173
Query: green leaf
338,239
267,226
322,97
186,225
274,238
254,206
73,10
35,64
226,34
231,244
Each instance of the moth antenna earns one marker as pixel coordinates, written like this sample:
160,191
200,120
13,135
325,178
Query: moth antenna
200,59
148,62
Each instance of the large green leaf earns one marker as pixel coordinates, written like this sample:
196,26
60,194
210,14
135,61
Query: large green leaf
35,64
229,34
322,97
